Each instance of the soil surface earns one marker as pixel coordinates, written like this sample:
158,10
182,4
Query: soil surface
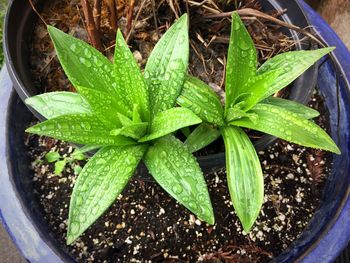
146,224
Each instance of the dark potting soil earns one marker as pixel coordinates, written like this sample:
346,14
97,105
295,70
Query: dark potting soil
146,224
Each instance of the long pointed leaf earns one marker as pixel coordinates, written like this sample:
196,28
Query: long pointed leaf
201,137
169,121
241,60
104,106
79,128
244,176
289,126
177,171
202,100
291,65
84,65
99,184
54,104
166,68
292,106
129,77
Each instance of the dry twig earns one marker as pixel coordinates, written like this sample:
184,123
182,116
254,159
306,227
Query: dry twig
129,16
93,33
97,13
36,11
136,18
113,13
257,13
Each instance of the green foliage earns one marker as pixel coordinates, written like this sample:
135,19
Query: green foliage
202,100
100,182
178,172
244,175
289,126
248,104
3,6
55,104
60,162
169,121
201,137
165,71
131,117
241,61
124,113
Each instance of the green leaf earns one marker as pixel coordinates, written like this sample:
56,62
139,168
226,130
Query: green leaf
244,176
290,65
292,106
166,67
77,169
84,65
125,121
236,113
78,155
79,128
104,106
201,137
136,118
59,166
52,157
241,60
202,100
186,131
54,104
177,171
129,77
135,131
256,87
99,184
170,121
289,126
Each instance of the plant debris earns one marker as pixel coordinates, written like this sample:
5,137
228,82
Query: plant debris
142,23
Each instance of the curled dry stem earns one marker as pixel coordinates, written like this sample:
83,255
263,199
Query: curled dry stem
93,33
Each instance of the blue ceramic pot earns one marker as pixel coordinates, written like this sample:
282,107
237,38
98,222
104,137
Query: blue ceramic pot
327,234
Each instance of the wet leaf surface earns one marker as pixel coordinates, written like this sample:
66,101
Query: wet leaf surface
177,172
100,182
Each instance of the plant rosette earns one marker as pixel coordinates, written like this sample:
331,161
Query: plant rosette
131,117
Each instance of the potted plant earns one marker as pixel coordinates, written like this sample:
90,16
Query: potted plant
40,129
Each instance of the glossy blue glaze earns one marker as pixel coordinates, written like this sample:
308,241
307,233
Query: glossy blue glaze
15,212
337,236
327,234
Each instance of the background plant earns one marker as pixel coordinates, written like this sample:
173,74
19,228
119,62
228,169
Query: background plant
60,161
129,116
249,104
3,6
